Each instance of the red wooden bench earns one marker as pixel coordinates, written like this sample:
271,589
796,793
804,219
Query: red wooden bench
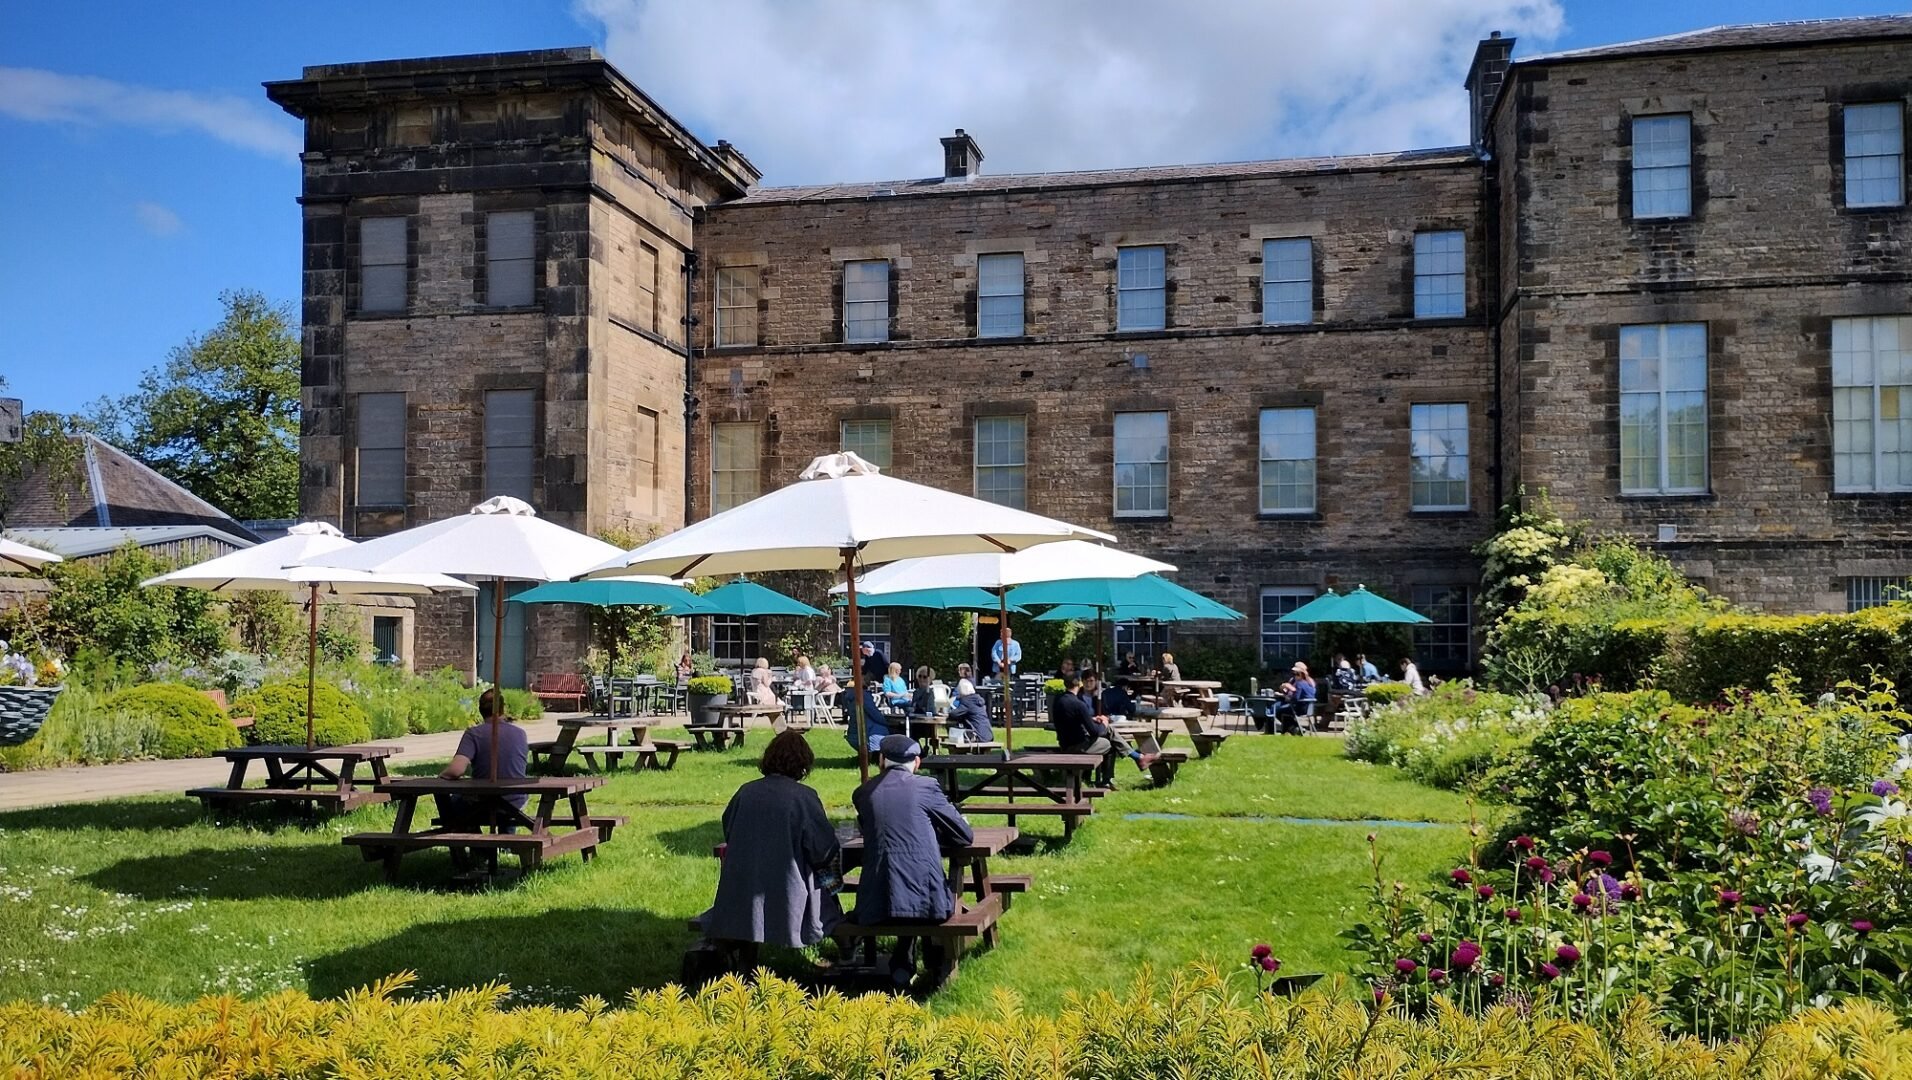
561,687
219,699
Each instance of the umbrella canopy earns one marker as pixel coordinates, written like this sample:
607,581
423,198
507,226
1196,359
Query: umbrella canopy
1129,613
840,503
19,558
1362,606
1049,562
1319,610
954,599
747,598
657,592
1116,595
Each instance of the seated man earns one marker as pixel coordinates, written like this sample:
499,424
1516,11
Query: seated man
876,721
968,715
460,813
906,821
1114,701
1080,731
780,855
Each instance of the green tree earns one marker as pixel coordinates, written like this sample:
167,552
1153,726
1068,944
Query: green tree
221,416
46,443
99,604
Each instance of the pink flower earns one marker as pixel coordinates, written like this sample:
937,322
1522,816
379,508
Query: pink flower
1260,951
1485,892
1728,898
1270,964
1465,955
1758,910
1524,843
1546,877
1513,914
1436,975
1497,980
1406,966
1797,919
1536,863
1567,955
1582,901
1424,938
1599,858
1861,927
1549,972
1460,876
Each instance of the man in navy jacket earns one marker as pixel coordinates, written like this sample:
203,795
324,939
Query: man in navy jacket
906,821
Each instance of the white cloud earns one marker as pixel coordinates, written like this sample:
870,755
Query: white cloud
156,219
820,90
51,97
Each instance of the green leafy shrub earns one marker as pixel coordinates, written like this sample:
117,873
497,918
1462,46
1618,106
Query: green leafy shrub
1053,686
82,730
710,684
1193,1027
278,712
1387,693
1705,659
190,723
1232,665
99,604
522,704
1450,738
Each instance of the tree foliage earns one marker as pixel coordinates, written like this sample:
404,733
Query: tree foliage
99,605
221,416
46,445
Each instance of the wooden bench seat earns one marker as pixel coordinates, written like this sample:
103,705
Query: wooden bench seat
530,848
1024,791
977,920
1207,742
647,754
343,802
716,736
1167,764
1071,815
604,823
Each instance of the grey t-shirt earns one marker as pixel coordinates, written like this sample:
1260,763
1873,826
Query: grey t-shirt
513,750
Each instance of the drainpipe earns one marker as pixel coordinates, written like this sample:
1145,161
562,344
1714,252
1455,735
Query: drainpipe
1495,316
690,377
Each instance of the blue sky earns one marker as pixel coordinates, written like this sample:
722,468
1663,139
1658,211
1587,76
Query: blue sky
142,172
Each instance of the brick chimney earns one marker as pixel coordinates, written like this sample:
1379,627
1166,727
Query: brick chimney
962,158
1484,77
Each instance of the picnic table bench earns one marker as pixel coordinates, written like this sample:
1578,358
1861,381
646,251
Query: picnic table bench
1207,739
647,751
730,725
1150,737
526,832
325,776
1053,784
981,896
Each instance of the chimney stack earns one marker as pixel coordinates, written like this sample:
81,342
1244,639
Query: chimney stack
962,158
1484,77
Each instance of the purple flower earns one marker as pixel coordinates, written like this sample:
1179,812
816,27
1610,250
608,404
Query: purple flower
1460,876
1883,788
1567,955
1728,898
1629,891
1436,975
1513,914
1758,910
1821,800
1599,858
1549,972
1406,966
1424,938
1524,843
1546,877
1485,892
1497,980
1536,863
1582,901
1261,951
1861,927
1797,919
1465,955
1270,964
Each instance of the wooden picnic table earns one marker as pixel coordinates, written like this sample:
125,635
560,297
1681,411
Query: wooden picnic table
323,776
523,831
981,896
732,721
1052,783
638,744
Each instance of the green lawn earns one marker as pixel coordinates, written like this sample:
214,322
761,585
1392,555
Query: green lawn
146,895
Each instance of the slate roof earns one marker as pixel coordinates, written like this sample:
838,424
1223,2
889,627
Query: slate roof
1234,170
1749,35
113,490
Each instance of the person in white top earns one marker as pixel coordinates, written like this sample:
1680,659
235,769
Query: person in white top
803,676
963,685
1411,675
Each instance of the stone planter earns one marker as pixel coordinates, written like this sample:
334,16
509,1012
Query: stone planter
22,710
703,708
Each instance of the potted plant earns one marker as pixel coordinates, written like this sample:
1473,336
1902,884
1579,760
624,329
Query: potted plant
1050,688
706,693
30,680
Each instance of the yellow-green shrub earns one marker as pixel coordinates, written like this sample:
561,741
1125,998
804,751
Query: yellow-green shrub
1387,693
190,723
1192,1027
278,712
1705,658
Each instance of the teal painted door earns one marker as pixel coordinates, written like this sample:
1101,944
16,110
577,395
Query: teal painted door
512,671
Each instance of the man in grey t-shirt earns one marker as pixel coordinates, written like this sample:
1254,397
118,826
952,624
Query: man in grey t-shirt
474,759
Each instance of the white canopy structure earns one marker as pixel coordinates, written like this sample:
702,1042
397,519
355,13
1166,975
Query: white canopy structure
273,567
502,539
842,513
19,558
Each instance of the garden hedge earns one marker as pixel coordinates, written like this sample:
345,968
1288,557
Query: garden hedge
1192,1028
278,712
191,724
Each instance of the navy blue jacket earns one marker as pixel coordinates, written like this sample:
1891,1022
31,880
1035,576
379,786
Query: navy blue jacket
878,720
906,820
1074,720
973,713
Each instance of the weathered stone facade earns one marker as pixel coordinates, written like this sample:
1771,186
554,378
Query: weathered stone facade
638,225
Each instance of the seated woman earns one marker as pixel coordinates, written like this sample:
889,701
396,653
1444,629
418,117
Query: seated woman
761,690
1169,670
923,699
968,714
896,692
780,857
1297,699
803,676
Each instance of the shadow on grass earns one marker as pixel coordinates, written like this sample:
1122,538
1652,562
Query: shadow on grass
303,872
149,816
696,841
549,957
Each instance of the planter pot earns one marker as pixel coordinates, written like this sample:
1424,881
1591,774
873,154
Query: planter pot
703,708
22,710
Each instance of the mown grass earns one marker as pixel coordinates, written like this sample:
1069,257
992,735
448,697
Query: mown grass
147,895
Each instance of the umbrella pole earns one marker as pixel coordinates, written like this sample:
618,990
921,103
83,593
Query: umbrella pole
1101,661
497,663
856,665
311,662
1006,678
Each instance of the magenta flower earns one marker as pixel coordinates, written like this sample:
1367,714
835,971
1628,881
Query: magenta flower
1424,938
1485,892
1513,914
1546,877
1629,891
1436,975
1466,954
1728,897
1758,910
1567,955
1582,901
1599,858
1523,843
1536,863
1883,788
1797,919
1549,972
1821,800
1497,980
1460,876
1270,964
1261,951
1406,966
1861,927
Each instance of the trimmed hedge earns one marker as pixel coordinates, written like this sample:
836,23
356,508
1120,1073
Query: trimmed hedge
710,684
190,723
1192,1028
1387,693
278,712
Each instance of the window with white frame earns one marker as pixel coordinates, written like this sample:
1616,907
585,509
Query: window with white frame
1287,281
736,306
1141,464
1288,461
1002,460
1440,274
1284,643
510,437
999,295
877,629
509,277
866,300
867,439
381,450
1147,640
1875,154
1445,641
1663,409
1876,591
383,250
1663,166
1141,288
1437,469
734,465
1872,404
736,640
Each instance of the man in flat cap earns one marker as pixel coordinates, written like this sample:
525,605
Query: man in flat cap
906,822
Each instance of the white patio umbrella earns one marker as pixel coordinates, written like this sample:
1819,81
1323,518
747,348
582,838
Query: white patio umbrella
272,567
502,539
842,511
16,558
1000,572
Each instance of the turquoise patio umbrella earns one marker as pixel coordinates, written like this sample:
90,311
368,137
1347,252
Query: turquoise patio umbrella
948,599
749,599
1115,595
1319,610
615,592
1132,613
1359,606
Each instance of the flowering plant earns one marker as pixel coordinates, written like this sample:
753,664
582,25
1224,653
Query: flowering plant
29,666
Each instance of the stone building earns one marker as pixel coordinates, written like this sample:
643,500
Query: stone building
1667,282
